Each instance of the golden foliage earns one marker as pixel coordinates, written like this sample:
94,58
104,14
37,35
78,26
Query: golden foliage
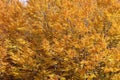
60,40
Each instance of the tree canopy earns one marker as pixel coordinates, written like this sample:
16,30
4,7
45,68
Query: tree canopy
60,40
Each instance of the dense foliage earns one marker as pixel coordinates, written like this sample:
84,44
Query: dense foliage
60,40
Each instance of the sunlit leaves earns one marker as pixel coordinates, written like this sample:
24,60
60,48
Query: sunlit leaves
60,39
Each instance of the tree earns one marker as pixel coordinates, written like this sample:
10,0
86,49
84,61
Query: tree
60,39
